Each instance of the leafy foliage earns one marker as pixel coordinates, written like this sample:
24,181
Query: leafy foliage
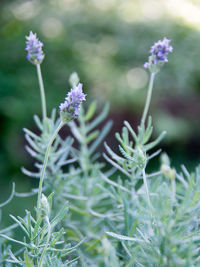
40,238
88,137
87,203
135,155
171,237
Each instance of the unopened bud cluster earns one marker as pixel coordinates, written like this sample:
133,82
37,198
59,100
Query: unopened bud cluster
44,206
34,48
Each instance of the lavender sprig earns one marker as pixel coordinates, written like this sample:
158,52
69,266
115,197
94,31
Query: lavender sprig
158,57
34,48
35,55
69,110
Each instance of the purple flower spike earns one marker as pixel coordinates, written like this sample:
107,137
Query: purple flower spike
69,110
34,48
159,52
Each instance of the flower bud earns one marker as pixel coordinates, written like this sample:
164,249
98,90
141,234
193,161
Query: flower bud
74,79
44,206
165,159
168,172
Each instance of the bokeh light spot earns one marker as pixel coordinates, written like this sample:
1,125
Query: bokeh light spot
26,10
187,11
52,27
129,11
68,5
152,9
137,78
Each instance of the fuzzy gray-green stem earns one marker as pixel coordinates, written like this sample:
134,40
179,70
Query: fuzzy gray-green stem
146,189
173,183
148,99
84,159
42,93
45,165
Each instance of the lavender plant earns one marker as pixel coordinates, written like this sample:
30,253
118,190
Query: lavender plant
71,185
98,217
160,225
60,152
65,184
43,247
79,183
135,155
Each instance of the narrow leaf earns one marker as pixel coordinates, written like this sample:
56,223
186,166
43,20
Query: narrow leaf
99,119
91,111
102,135
157,141
124,238
131,131
38,122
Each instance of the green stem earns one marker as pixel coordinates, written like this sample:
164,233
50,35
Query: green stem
148,99
84,159
42,93
173,190
45,165
146,188
47,243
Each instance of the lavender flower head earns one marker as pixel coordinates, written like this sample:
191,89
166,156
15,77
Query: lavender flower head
158,57
69,110
34,48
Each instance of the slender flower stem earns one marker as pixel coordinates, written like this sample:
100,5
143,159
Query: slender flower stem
148,99
47,243
45,165
146,189
42,93
173,190
84,160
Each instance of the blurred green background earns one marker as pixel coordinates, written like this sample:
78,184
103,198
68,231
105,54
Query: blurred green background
107,43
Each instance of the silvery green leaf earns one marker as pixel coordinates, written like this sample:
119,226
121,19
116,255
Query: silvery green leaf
124,238
131,131
157,141
99,118
100,138
90,113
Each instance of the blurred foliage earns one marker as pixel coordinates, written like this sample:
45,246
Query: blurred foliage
106,42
